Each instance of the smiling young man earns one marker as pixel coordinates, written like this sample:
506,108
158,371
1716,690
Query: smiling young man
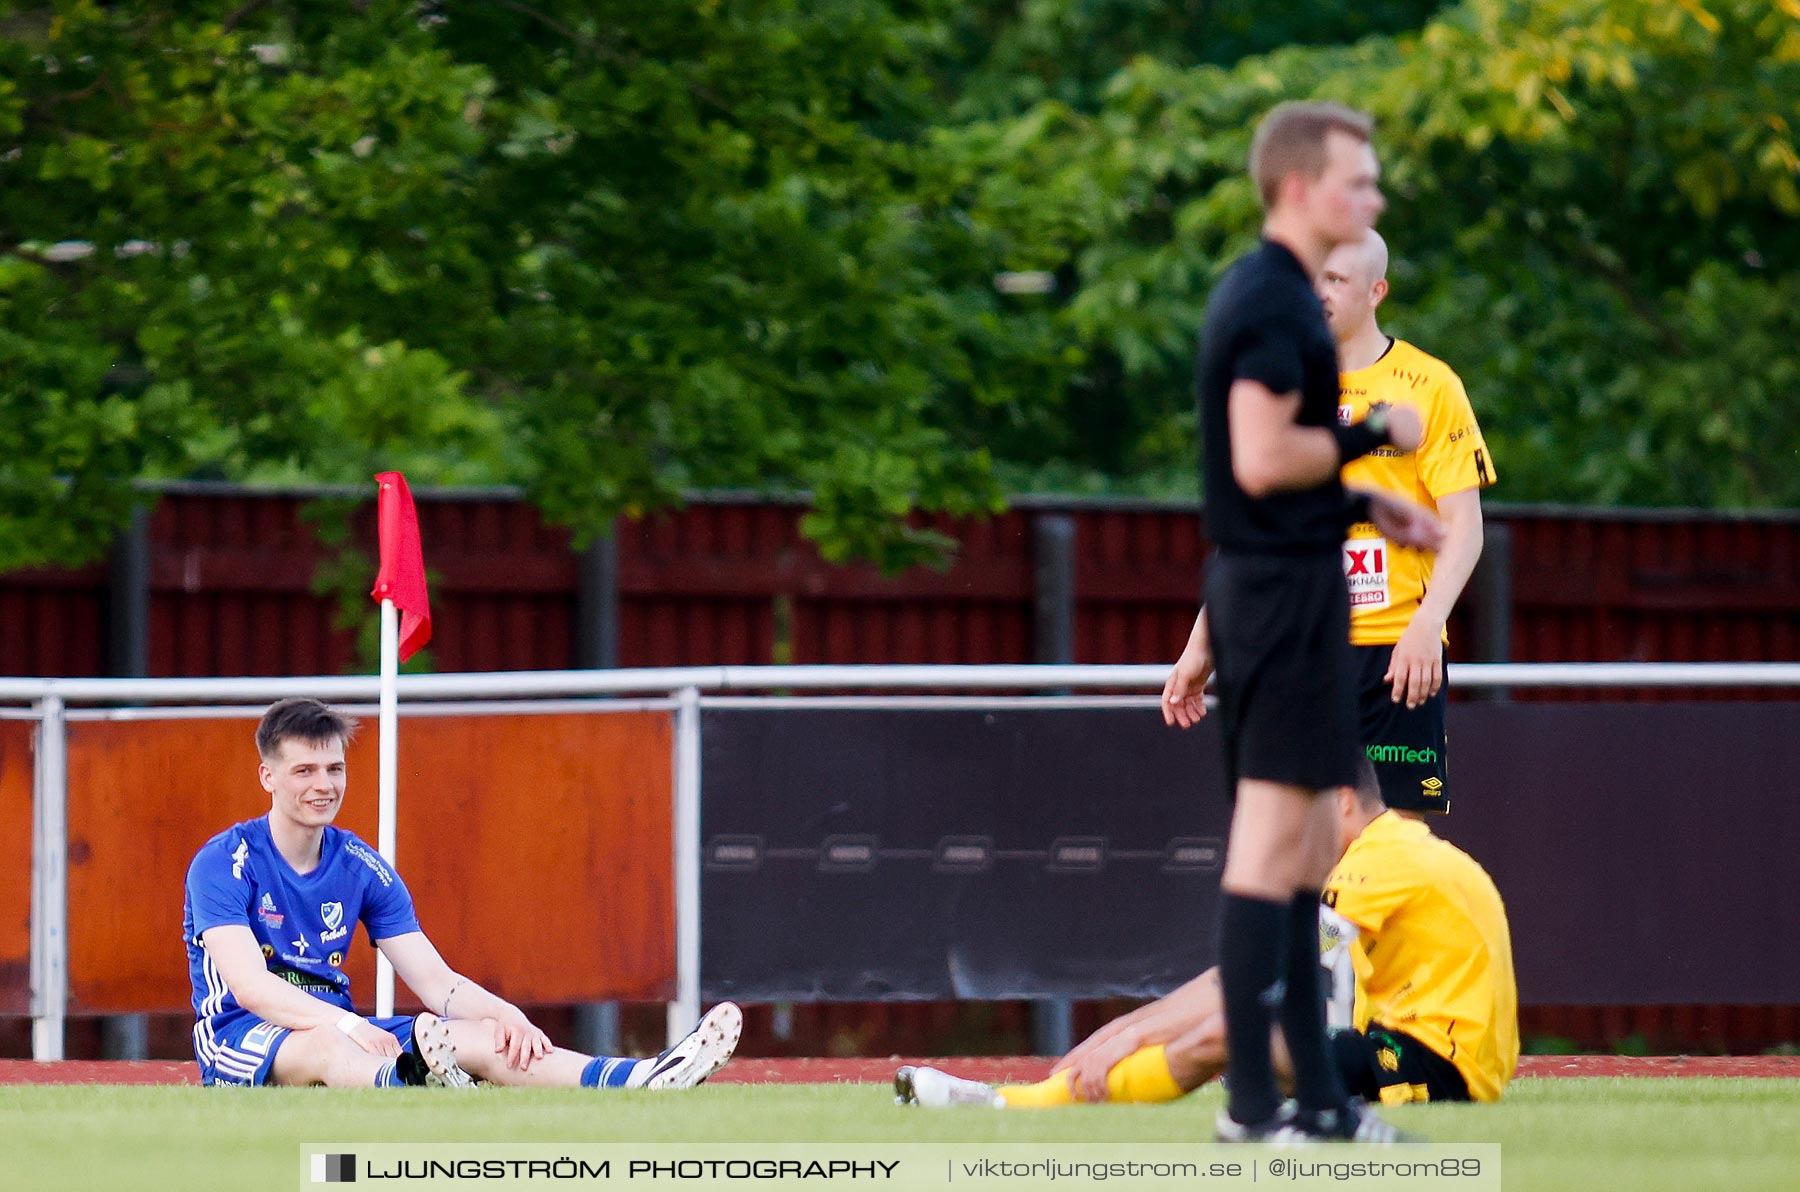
271,907
1276,620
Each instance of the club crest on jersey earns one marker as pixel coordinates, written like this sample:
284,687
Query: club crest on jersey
267,912
333,914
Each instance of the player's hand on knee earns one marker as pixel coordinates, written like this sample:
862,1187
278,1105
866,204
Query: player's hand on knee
519,1040
374,1040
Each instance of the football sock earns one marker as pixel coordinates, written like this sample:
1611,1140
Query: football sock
387,1077
1143,1078
1252,953
612,1072
1045,1094
1316,1081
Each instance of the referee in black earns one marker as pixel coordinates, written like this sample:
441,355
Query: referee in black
1276,623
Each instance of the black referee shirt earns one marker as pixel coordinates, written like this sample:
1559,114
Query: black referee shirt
1264,323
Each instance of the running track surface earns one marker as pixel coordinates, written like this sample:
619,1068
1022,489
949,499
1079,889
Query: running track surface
996,1070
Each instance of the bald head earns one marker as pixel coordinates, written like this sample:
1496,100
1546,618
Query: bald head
1365,261
1352,284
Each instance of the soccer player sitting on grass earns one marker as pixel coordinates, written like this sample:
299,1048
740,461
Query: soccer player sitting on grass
271,905
1410,924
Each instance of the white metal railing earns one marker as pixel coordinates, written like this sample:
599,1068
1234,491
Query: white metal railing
522,684
681,688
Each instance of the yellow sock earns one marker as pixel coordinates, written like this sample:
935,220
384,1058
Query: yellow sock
1045,1094
1143,1077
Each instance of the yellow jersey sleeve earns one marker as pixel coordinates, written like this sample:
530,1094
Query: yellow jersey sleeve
1453,455
1369,885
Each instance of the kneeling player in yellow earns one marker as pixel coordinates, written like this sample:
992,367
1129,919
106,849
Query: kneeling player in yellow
1411,926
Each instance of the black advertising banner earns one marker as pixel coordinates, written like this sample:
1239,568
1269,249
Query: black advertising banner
1647,853
863,854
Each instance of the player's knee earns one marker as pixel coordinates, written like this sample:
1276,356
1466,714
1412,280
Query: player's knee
473,1039
313,1056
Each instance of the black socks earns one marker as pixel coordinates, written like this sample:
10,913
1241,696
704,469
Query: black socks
1269,969
1252,961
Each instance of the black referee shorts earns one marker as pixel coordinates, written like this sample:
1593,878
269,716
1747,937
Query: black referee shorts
1280,628
1407,745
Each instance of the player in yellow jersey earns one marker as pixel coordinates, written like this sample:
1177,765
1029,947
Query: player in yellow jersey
1400,598
1417,940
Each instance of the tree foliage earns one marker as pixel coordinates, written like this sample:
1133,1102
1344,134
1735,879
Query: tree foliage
611,252
1592,204
616,251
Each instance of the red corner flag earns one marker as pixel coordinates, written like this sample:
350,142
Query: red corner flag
402,577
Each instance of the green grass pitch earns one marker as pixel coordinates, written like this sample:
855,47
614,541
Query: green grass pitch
1641,1135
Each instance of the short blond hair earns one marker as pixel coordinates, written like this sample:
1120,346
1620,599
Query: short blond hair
1291,139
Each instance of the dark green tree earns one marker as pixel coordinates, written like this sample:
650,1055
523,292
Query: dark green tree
615,251
1592,205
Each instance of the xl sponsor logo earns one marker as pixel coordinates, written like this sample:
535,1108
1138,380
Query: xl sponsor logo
1366,572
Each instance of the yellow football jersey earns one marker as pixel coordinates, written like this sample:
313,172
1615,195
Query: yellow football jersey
1387,581
1433,953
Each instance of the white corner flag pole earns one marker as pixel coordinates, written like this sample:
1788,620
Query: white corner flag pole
389,779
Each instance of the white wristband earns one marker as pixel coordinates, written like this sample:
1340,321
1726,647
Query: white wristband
349,1022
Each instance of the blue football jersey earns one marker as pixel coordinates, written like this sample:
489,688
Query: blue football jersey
302,921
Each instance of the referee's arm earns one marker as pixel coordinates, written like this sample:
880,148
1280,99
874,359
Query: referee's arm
1272,453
